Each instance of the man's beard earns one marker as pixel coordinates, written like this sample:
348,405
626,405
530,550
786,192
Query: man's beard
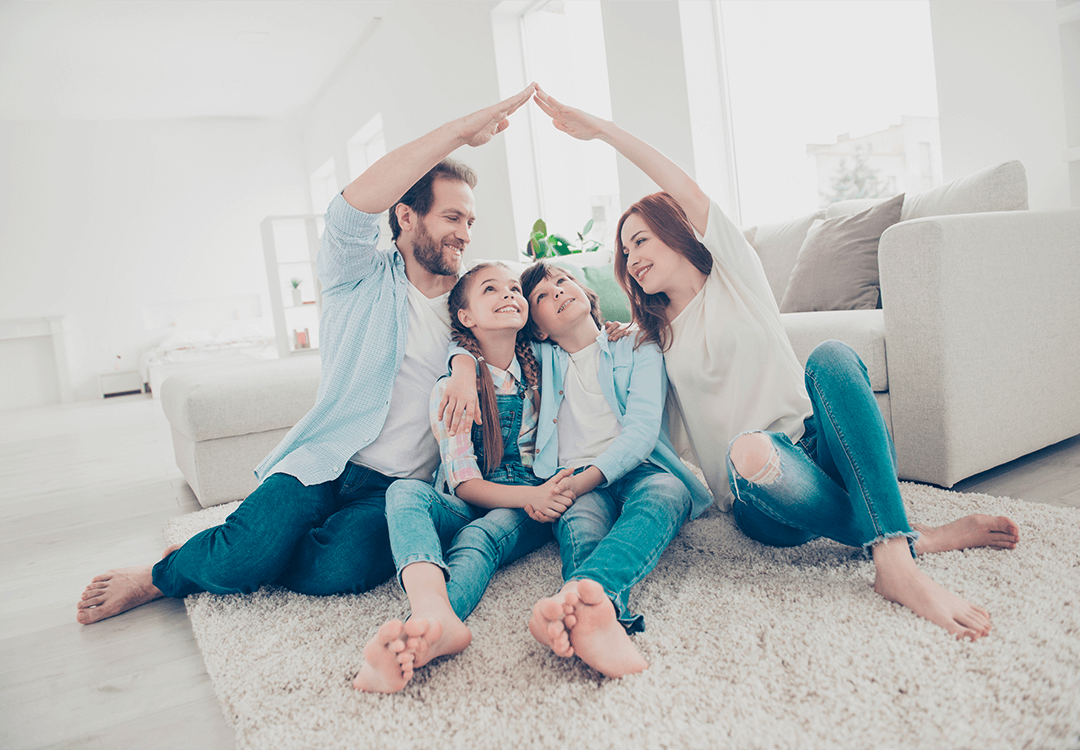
429,254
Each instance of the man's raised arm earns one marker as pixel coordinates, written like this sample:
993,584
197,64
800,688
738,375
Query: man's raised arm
385,181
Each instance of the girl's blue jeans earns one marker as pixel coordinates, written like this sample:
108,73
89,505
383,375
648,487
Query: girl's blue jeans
327,538
840,480
615,534
467,542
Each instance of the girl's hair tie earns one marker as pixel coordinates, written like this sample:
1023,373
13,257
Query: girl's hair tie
479,360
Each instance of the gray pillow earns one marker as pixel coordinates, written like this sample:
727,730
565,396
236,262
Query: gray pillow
837,267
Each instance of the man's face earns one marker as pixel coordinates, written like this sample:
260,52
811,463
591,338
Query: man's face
440,237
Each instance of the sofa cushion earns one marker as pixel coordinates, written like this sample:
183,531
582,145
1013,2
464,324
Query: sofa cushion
837,266
862,330
240,400
1002,187
777,245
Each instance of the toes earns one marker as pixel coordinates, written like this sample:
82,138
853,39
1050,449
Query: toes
591,592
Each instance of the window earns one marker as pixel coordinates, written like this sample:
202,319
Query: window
366,147
561,180
828,100
324,186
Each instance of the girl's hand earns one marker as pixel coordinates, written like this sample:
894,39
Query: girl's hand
480,127
575,122
616,330
551,499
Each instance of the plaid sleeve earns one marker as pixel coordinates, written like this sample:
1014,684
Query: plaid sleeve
455,451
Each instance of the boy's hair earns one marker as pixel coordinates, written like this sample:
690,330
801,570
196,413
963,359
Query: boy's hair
421,195
666,219
541,270
489,406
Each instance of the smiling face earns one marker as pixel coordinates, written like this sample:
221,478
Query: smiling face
653,265
439,238
559,304
495,301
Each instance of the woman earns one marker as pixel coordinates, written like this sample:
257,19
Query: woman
808,454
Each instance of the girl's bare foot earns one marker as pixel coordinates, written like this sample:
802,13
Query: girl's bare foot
598,638
976,530
116,591
429,638
388,667
551,619
900,580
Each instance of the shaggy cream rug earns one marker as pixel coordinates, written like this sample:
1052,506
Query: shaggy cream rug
749,647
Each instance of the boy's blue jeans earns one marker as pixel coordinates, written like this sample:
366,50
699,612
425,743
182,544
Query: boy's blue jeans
840,480
615,535
469,543
328,538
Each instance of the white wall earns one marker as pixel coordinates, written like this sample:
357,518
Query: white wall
1000,91
425,64
101,219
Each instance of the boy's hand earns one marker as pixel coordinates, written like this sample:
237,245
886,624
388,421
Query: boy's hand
551,499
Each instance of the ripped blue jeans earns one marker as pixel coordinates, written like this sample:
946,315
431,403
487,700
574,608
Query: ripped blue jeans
839,481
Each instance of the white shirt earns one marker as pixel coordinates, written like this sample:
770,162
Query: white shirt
730,365
406,447
587,425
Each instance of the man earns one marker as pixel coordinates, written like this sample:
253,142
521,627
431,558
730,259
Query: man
316,524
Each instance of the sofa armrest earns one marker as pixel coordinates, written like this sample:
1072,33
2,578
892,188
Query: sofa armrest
981,316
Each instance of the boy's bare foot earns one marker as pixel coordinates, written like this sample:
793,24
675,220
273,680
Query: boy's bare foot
598,638
551,619
116,591
429,638
900,580
388,667
976,530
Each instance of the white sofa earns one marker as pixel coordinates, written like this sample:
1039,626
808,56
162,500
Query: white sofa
974,356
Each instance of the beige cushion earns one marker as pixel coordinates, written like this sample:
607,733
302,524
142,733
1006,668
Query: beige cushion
230,401
862,330
1002,187
777,246
837,267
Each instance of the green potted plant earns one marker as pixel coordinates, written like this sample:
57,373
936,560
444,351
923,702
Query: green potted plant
544,245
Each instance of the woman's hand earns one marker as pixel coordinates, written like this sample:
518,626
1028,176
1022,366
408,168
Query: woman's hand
550,499
481,126
575,122
616,330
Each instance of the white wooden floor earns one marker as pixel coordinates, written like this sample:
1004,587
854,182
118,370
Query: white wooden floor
86,487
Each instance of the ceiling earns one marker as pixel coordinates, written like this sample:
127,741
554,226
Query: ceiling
149,59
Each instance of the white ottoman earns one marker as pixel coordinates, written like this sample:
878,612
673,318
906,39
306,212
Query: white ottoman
225,420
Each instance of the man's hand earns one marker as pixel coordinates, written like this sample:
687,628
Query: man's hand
480,127
552,498
460,404
575,122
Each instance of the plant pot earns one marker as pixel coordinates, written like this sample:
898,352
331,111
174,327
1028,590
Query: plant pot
297,299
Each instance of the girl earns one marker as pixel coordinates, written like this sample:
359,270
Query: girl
804,459
483,524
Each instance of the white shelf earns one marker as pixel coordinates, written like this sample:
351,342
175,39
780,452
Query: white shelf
291,247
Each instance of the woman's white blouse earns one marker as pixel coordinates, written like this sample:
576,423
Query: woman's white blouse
730,364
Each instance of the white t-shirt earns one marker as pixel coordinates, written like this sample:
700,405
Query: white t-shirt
730,364
587,425
406,447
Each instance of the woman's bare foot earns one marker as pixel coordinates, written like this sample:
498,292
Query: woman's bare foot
116,591
551,619
900,580
388,667
430,637
976,530
598,638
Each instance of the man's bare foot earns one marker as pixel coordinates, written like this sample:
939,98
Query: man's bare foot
598,638
429,638
976,530
900,580
116,591
388,667
551,619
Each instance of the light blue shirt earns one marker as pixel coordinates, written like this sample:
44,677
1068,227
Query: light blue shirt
362,343
634,383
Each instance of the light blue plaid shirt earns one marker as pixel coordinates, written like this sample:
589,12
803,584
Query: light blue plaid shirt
362,343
